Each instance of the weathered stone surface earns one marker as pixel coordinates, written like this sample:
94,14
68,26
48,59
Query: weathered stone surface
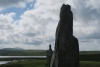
66,52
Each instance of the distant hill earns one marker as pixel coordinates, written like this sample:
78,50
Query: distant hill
12,49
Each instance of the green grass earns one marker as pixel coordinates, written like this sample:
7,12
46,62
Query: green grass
87,59
89,64
23,53
26,63
90,52
90,57
42,63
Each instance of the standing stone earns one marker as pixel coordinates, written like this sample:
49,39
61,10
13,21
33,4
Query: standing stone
66,53
49,55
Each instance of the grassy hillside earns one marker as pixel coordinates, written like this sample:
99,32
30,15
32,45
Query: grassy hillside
23,53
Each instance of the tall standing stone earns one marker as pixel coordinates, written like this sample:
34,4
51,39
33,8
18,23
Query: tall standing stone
66,53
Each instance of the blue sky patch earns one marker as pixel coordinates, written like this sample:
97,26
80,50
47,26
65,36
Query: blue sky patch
18,11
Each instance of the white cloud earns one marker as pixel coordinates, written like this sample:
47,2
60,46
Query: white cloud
36,27
6,26
88,45
13,3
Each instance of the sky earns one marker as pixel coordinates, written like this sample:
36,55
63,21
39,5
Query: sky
31,24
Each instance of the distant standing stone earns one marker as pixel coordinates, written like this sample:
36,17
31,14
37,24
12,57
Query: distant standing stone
49,55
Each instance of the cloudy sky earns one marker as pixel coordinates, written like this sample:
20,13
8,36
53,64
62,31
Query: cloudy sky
31,24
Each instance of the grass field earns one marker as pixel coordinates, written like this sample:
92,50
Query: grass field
23,53
42,63
87,59
27,63
89,64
